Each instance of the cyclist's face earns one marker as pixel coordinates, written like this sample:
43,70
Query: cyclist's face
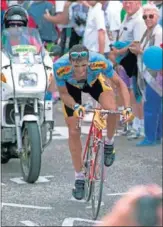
80,67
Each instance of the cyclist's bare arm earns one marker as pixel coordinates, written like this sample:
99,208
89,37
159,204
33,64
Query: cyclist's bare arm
122,88
65,97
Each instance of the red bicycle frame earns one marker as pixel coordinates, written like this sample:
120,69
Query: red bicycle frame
97,135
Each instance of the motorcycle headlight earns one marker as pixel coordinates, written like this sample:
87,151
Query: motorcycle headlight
28,79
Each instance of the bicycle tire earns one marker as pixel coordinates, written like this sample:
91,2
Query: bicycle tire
96,209
87,165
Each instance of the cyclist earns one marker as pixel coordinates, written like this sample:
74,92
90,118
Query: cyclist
84,71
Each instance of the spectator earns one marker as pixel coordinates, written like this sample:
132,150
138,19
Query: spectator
62,19
65,28
47,30
95,36
123,11
124,211
132,30
152,105
119,101
78,15
112,10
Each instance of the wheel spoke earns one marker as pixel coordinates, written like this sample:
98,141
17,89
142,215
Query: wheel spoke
88,164
97,186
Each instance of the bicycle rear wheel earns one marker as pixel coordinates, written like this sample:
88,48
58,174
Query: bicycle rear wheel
87,165
98,179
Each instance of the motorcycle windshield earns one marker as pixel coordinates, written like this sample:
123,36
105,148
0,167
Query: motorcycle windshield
23,45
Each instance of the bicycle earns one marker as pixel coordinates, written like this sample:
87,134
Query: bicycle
94,150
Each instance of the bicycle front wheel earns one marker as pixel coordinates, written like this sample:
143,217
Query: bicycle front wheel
88,167
98,179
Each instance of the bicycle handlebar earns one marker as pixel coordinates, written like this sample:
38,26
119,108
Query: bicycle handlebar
104,111
89,109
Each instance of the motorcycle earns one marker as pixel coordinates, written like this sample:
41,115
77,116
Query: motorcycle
26,117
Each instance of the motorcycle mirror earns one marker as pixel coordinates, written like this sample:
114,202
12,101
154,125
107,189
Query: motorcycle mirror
55,51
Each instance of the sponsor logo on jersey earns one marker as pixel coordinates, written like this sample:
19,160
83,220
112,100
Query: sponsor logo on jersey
63,70
98,65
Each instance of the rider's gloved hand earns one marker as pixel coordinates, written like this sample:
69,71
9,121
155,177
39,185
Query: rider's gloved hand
128,115
79,111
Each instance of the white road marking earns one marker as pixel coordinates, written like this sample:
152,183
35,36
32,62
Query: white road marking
62,132
85,130
57,135
78,201
29,223
89,207
70,221
2,184
117,194
41,179
26,206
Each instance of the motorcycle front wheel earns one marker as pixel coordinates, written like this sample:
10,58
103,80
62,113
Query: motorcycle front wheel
30,159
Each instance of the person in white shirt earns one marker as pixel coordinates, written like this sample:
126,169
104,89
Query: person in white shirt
95,36
112,14
133,26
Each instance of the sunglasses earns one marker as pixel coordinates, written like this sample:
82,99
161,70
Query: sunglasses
76,55
150,16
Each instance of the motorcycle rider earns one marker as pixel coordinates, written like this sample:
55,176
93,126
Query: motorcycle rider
16,17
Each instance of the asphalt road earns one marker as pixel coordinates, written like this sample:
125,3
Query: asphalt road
49,202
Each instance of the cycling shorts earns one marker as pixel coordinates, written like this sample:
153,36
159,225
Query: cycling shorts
100,85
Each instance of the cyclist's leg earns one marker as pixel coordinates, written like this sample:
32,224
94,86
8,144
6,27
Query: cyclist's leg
104,94
75,145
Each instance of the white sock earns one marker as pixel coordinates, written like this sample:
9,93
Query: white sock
109,141
79,176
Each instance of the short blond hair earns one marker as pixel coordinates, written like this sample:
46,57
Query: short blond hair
151,6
